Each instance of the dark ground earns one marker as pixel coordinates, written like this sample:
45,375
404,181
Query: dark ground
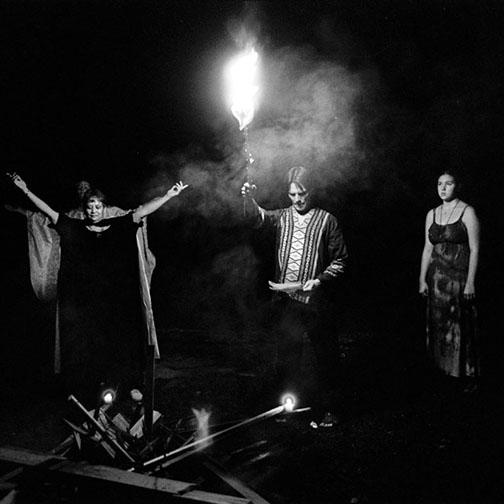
407,435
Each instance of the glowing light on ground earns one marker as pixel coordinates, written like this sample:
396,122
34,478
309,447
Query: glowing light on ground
288,402
108,396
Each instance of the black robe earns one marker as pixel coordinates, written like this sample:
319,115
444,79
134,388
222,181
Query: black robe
101,327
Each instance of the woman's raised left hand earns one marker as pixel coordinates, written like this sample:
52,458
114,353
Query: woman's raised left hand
176,189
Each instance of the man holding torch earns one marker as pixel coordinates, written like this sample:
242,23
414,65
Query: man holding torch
311,257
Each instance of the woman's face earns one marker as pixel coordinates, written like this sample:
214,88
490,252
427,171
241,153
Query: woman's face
94,209
446,187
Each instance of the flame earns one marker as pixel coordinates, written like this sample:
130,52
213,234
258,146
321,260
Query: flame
242,76
108,396
202,431
288,402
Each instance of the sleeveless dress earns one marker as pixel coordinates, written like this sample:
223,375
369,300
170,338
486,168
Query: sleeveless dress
451,320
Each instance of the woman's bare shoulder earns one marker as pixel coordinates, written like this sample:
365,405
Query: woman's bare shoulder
429,214
469,212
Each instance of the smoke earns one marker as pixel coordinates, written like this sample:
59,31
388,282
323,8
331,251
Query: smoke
307,117
214,185
225,289
314,111
246,28
202,417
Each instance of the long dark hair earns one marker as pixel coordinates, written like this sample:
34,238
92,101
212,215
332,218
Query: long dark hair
457,178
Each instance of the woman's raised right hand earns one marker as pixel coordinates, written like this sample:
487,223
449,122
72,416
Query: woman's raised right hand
18,181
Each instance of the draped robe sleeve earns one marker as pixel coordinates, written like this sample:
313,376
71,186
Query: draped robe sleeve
44,256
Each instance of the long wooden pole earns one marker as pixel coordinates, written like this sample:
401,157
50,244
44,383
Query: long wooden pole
198,444
149,392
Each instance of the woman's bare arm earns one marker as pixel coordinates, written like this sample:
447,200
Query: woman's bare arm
152,205
426,256
40,204
473,233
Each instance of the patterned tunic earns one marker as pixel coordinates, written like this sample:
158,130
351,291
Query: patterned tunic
451,320
309,246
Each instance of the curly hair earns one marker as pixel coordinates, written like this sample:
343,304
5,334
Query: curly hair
95,194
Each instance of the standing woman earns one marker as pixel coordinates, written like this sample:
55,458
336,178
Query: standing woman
447,279
103,330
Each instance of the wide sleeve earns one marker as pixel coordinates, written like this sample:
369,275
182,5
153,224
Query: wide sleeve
336,252
268,217
64,224
43,254
113,211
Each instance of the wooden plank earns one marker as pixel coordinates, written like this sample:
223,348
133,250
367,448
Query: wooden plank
115,475
149,391
12,474
176,488
233,482
27,457
10,498
7,485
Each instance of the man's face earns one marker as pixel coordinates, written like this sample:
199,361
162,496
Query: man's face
94,209
300,198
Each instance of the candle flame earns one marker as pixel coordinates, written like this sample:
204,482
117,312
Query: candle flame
108,396
288,402
242,76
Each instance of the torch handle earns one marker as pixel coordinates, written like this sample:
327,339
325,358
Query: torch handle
248,163
248,156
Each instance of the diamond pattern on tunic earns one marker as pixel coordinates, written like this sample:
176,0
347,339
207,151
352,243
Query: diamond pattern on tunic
297,246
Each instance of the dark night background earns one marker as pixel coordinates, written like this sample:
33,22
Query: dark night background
129,95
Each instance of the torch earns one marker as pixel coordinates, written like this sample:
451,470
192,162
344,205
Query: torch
242,78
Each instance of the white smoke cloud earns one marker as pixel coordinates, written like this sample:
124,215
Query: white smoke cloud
308,115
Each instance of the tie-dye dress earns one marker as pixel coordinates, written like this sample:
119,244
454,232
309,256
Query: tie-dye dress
451,320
